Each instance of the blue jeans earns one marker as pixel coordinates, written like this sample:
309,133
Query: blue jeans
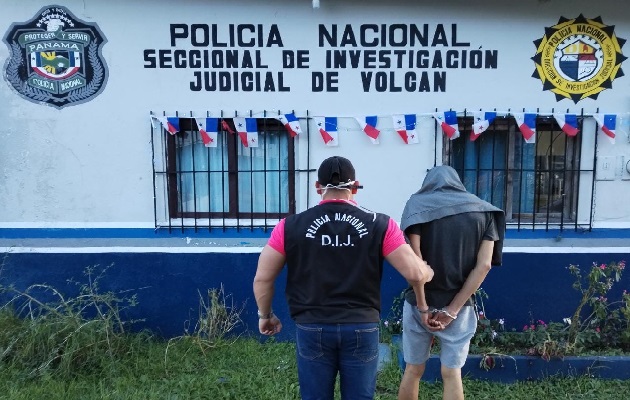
323,350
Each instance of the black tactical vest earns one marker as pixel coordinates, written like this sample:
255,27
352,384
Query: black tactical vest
335,263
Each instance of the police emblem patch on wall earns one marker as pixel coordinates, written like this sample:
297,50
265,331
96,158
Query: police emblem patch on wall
578,58
56,58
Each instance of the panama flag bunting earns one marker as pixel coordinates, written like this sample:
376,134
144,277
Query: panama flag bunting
290,122
327,127
568,123
448,122
208,129
247,131
368,124
527,124
405,125
607,123
483,120
171,124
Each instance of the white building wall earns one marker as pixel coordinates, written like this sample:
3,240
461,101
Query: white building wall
90,165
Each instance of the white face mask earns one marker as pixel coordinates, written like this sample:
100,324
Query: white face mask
345,185
342,186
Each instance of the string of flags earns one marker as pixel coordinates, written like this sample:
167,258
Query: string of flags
404,125
246,128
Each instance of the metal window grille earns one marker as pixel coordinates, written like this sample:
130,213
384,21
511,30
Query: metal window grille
227,186
538,185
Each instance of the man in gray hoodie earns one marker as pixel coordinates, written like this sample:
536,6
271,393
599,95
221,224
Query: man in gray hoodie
461,237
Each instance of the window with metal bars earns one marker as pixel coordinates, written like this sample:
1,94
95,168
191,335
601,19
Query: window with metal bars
534,183
230,184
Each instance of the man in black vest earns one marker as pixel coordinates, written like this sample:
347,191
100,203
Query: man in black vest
334,253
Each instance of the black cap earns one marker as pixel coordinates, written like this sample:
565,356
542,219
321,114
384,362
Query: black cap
335,170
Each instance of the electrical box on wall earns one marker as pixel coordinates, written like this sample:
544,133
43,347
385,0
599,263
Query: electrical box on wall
605,169
625,168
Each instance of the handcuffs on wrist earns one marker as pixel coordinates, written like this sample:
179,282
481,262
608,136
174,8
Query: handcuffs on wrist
435,310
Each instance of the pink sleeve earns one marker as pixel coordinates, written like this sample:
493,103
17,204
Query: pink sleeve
276,240
394,238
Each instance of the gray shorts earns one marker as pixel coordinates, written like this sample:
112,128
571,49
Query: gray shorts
454,340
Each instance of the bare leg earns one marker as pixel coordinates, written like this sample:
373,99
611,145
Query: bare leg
453,386
409,385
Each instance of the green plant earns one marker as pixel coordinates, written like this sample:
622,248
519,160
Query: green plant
48,333
596,325
216,321
625,312
392,323
593,288
487,329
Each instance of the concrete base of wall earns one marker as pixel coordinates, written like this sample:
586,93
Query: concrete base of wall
511,369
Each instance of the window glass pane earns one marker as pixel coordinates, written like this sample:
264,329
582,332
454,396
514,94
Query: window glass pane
550,160
491,183
467,151
263,183
203,184
524,176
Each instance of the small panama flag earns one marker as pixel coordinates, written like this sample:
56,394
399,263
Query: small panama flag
527,125
247,131
368,124
208,128
607,123
482,121
448,122
405,125
171,124
327,127
290,122
568,123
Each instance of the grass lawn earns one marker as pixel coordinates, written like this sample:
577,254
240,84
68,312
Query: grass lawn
244,369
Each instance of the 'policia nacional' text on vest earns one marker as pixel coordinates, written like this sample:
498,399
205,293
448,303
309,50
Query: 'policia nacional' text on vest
335,263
